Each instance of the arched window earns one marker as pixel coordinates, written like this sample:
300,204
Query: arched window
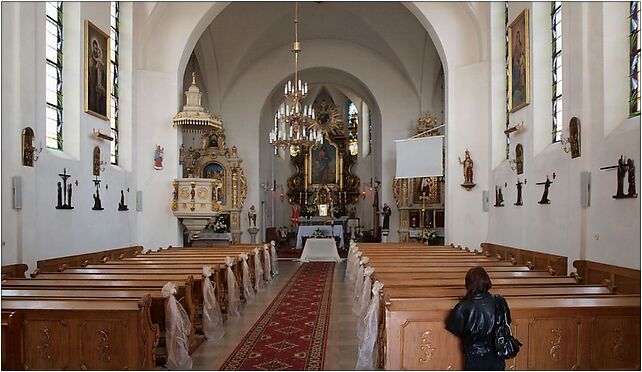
634,58
115,35
556,47
507,74
366,129
353,129
53,84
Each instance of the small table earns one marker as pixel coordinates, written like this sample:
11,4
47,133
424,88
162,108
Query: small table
324,249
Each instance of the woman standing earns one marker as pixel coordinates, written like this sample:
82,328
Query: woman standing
473,319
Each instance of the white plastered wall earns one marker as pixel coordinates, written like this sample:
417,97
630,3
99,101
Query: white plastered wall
595,64
38,230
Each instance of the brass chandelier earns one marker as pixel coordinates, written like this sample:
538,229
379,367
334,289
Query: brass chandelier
295,124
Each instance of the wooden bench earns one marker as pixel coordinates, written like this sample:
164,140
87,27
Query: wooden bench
96,334
11,340
80,260
124,288
557,333
14,271
621,279
537,260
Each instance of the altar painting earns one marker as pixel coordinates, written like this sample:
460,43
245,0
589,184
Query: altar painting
324,164
429,186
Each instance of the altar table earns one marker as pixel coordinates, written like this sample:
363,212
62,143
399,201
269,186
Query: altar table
336,230
324,249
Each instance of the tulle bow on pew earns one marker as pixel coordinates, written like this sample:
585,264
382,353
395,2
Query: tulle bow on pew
258,271
212,317
358,285
364,299
367,357
233,297
177,330
248,292
275,259
267,263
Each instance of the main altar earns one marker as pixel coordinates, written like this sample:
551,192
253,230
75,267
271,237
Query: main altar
209,198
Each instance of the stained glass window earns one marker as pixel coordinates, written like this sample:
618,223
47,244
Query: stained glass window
507,74
634,58
353,128
53,84
114,34
556,68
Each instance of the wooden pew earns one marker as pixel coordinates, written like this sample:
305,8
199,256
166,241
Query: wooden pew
454,292
97,334
14,271
621,279
538,260
11,340
557,333
389,281
80,260
184,295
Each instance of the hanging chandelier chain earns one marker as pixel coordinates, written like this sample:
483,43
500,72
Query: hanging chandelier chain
294,123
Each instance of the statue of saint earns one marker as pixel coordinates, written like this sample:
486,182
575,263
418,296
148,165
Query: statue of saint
251,216
468,170
158,158
386,216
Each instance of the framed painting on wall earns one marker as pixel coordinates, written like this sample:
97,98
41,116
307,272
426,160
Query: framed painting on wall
519,62
97,71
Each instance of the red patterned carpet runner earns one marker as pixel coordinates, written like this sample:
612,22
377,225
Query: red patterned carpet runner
292,333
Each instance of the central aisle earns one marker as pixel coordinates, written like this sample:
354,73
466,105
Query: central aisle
341,344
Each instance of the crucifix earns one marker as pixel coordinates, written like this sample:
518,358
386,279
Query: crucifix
64,190
423,199
97,203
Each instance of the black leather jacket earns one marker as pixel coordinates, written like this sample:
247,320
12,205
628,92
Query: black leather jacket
474,322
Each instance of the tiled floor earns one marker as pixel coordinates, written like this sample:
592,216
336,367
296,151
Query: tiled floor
341,351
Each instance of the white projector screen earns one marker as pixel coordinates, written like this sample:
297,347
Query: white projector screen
420,157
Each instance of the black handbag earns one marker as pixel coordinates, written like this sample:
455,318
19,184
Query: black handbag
506,345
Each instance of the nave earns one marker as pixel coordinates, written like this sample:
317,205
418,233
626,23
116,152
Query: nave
341,345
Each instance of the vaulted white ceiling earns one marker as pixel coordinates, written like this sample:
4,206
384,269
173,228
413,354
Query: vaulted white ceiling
245,31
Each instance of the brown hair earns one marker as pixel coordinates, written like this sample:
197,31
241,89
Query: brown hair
477,281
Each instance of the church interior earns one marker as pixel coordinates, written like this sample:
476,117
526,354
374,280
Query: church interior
305,185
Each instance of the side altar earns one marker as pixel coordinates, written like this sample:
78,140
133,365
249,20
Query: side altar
209,199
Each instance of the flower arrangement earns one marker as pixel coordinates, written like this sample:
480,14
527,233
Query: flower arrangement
429,237
319,233
309,210
219,225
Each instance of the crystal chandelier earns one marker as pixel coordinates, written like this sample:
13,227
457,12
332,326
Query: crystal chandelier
294,122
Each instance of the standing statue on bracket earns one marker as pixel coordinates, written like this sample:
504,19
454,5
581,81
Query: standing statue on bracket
386,211
468,171
251,216
158,157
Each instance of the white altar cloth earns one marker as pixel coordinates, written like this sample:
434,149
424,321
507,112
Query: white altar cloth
336,230
324,249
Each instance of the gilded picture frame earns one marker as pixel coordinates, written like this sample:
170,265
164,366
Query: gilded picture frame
431,186
332,173
97,71
519,56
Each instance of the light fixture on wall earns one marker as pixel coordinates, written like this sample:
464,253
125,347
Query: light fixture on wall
294,123
272,187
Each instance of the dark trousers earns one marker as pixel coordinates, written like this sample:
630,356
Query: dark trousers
486,362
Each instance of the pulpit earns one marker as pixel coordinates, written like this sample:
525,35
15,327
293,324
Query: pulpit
209,199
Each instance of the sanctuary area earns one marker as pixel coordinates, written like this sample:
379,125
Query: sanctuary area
312,185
